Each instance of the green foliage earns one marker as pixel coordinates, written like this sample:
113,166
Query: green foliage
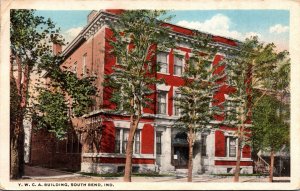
54,113
254,65
196,95
135,35
270,124
31,40
30,36
67,86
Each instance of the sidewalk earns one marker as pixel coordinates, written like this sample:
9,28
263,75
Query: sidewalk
51,175
37,172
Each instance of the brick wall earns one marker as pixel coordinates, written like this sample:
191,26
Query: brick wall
48,152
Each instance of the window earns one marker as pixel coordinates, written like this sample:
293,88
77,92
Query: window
137,142
158,142
176,103
125,140
232,147
121,141
178,65
75,68
162,61
161,102
117,141
84,68
203,145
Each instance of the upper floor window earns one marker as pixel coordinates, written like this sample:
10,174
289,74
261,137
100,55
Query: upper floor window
84,67
75,68
162,61
178,65
162,102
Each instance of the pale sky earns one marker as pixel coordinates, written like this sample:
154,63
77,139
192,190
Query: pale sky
268,25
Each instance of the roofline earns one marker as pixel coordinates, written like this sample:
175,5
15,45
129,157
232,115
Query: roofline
81,36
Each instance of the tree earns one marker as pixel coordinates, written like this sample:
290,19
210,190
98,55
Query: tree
71,99
133,76
31,41
253,65
270,130
193,99
29,38
271,115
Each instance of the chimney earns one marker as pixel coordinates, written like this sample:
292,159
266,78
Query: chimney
115,11
91,16
57,48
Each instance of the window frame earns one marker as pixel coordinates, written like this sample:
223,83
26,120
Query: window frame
204,145
123,142
158,61
176,64
117,140
84,66
158,102
230,148
158,144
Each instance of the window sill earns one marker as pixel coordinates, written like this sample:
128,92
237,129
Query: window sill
232,159
176,75
163,73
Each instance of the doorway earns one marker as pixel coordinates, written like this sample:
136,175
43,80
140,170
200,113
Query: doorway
181,154
180,151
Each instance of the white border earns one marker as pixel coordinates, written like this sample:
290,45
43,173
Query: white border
293,6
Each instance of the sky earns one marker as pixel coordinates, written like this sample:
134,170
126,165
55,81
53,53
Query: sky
268,25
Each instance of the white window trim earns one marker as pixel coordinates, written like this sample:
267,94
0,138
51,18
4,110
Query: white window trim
168,62
228,145
167,103
182,53
164,88
161,143
121,140
84,66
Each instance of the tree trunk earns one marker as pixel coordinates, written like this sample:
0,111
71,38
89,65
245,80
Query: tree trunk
190,163
238,161
271,166
17,148
129,149
17,134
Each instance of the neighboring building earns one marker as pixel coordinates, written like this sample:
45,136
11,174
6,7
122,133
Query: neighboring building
158,146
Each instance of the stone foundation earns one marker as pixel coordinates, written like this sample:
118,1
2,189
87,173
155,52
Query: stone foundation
114,168
230,170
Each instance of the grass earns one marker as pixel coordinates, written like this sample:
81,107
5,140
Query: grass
153,174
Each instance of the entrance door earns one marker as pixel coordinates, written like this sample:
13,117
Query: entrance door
182,155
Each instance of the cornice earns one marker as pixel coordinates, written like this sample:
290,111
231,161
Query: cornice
102,18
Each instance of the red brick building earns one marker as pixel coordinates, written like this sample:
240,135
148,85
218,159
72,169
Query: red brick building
158,146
